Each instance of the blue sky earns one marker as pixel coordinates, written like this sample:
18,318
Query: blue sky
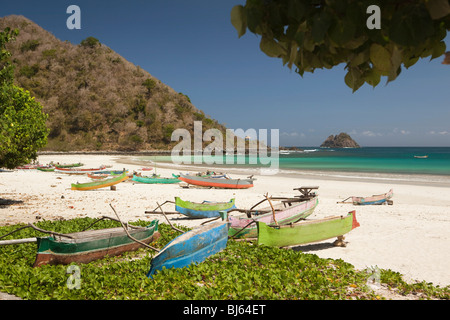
192,47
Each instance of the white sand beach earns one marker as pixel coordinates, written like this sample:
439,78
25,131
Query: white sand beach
411,236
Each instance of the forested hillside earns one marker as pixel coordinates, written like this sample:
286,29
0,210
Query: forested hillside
95,99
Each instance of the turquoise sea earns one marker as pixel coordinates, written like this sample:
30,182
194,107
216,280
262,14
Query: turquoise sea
386,160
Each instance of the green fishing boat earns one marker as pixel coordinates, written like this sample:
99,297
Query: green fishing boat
100,183
152,180
306,231
46,169
87,246
70,165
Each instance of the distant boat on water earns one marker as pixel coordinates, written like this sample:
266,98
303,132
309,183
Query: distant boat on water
420,157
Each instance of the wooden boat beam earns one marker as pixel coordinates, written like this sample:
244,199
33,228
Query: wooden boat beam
128,234
170,223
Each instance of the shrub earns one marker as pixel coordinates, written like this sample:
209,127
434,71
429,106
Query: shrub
29,71
29,45
90,42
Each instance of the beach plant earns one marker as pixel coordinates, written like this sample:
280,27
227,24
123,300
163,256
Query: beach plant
243,271
23,129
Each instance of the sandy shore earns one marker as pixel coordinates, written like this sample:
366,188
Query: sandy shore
411,236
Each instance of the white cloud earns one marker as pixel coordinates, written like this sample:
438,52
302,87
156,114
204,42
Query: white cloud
401,131
369,133
293,134
442,133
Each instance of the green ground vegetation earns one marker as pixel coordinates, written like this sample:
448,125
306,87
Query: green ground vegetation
242,271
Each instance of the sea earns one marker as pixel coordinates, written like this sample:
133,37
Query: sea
411,163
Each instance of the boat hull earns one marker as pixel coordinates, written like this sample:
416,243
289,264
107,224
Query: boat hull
92,245
243,227
217,182
99,184
306,231
202,210
373,200
191,247
155,180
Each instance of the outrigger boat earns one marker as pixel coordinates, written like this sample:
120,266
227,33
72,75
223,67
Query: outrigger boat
88,245
217,182
372,200
205,209
307,231
288,211
191,247
100,183
78,170
195,210
153,180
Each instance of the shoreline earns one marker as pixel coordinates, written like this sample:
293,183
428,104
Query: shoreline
411,236
400,178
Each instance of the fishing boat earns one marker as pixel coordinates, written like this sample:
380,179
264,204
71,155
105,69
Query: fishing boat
191,247
373,200
96,176
78,170
27,167
70,165
155,179
217,182
306,231
289,210
205,209
100,183
46,168
87,246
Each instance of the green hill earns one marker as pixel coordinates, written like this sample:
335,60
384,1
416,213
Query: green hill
95,99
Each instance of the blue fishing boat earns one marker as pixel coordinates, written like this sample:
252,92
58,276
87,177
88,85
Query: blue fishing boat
191,247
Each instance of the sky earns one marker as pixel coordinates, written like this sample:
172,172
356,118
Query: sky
192,47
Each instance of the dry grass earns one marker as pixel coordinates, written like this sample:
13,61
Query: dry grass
95,99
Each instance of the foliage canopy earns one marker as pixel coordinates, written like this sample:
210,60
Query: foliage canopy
22,122
311,34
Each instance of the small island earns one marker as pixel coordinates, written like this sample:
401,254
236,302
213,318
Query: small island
342,140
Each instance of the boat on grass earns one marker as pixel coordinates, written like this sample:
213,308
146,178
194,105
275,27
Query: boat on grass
289,210
373,200
205,209
100,183
87,246
307,231
217,182
156,179
191,247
